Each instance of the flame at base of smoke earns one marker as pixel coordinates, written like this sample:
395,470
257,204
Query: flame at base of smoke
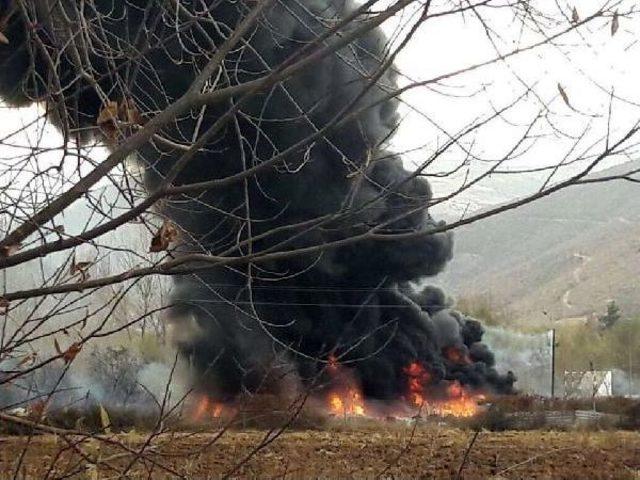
342,396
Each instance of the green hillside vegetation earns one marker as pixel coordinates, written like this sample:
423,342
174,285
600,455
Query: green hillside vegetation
610,341
580,346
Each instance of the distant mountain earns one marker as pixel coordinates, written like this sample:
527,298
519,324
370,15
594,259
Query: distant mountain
566,255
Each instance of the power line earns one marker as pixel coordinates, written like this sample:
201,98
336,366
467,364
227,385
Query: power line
309,304
306,288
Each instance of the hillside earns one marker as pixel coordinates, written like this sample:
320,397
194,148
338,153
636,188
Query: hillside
566,255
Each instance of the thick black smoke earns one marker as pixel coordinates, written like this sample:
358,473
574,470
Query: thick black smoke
355,302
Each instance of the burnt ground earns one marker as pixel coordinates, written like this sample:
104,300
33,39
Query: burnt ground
434,452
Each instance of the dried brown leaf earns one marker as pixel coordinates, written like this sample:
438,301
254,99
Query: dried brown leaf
615,23
80,267
564,95
9,250
575,18
4,306
28,359
128,112
56,345
167,234
108,114
107,119
71,353
157,245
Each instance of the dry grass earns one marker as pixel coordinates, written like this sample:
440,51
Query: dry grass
315,446
360,450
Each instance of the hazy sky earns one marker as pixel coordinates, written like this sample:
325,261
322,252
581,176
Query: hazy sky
587,63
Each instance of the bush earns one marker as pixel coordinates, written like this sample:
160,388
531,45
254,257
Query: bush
91,419
631,417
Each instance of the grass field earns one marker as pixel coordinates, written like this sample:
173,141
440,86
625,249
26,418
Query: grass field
390,451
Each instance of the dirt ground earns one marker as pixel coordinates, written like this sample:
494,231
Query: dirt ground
389,452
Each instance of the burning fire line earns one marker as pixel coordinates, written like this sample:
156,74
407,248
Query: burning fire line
458,401
345,397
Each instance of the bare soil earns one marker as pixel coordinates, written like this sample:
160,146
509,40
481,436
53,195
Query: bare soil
349,451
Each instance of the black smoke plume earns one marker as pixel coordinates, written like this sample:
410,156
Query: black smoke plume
357,302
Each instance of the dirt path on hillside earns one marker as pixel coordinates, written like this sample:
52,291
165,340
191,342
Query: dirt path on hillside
576,278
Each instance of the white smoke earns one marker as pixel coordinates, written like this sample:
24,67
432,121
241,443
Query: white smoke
527,355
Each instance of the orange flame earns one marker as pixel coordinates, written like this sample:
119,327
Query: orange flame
347,402
345,398
417,379
206,409
459,402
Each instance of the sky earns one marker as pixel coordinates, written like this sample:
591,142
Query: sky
588,64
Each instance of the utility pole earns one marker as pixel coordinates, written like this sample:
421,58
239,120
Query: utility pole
594,386
630,373
553,363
